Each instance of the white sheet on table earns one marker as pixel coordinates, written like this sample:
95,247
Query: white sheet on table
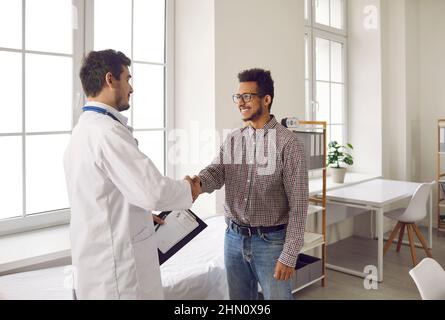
197,270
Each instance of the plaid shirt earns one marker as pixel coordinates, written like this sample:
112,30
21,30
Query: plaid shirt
264,172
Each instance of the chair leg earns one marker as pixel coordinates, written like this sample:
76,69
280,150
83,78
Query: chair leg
402,232
422,241
411,244
391,237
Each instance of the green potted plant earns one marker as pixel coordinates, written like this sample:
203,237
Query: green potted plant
337,155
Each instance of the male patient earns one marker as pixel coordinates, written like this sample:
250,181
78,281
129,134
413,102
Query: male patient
266,194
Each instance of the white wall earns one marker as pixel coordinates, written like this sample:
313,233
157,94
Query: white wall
365,88
400,48
431,84
414,97
394,89
413,89
194,89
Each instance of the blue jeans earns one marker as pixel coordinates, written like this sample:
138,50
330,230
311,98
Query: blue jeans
252,260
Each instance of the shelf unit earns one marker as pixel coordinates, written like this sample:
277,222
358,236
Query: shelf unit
440,175
317,206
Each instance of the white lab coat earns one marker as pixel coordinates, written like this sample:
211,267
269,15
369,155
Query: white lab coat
112,188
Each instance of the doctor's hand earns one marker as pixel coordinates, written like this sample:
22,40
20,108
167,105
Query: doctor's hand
283,272
158,220
195,186
197,180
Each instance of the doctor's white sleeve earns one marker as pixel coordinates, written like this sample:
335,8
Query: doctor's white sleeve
137,178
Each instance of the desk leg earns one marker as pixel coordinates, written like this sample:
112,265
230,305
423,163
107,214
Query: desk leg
430,227
379,224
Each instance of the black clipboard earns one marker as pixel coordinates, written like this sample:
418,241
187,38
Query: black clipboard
201,226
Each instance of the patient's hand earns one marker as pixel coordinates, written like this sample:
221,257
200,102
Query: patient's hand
197,182
283,272
195,185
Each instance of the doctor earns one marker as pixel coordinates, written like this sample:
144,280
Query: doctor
112,187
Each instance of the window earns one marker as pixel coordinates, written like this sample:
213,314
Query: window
325,76
40,57
140,34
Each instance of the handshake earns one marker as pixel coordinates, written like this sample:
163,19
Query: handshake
195,184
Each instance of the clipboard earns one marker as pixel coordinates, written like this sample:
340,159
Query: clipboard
179,245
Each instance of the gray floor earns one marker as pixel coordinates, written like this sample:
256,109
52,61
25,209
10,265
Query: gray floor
356,253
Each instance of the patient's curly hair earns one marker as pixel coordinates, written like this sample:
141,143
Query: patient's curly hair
263,79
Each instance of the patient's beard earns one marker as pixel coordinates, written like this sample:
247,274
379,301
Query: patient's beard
256,115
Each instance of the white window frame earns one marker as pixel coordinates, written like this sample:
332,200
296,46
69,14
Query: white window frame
326,28
314,30
83,43
309,109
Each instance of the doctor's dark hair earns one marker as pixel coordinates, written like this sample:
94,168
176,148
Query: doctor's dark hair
263,80
96,65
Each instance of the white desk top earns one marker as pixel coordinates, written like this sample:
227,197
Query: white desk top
376,193
351,178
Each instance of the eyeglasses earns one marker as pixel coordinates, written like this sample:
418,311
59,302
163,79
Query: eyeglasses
245,96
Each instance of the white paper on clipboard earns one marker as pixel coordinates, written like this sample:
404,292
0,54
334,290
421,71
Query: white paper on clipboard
178,224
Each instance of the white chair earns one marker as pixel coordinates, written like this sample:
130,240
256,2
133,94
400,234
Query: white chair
429,277
408,217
